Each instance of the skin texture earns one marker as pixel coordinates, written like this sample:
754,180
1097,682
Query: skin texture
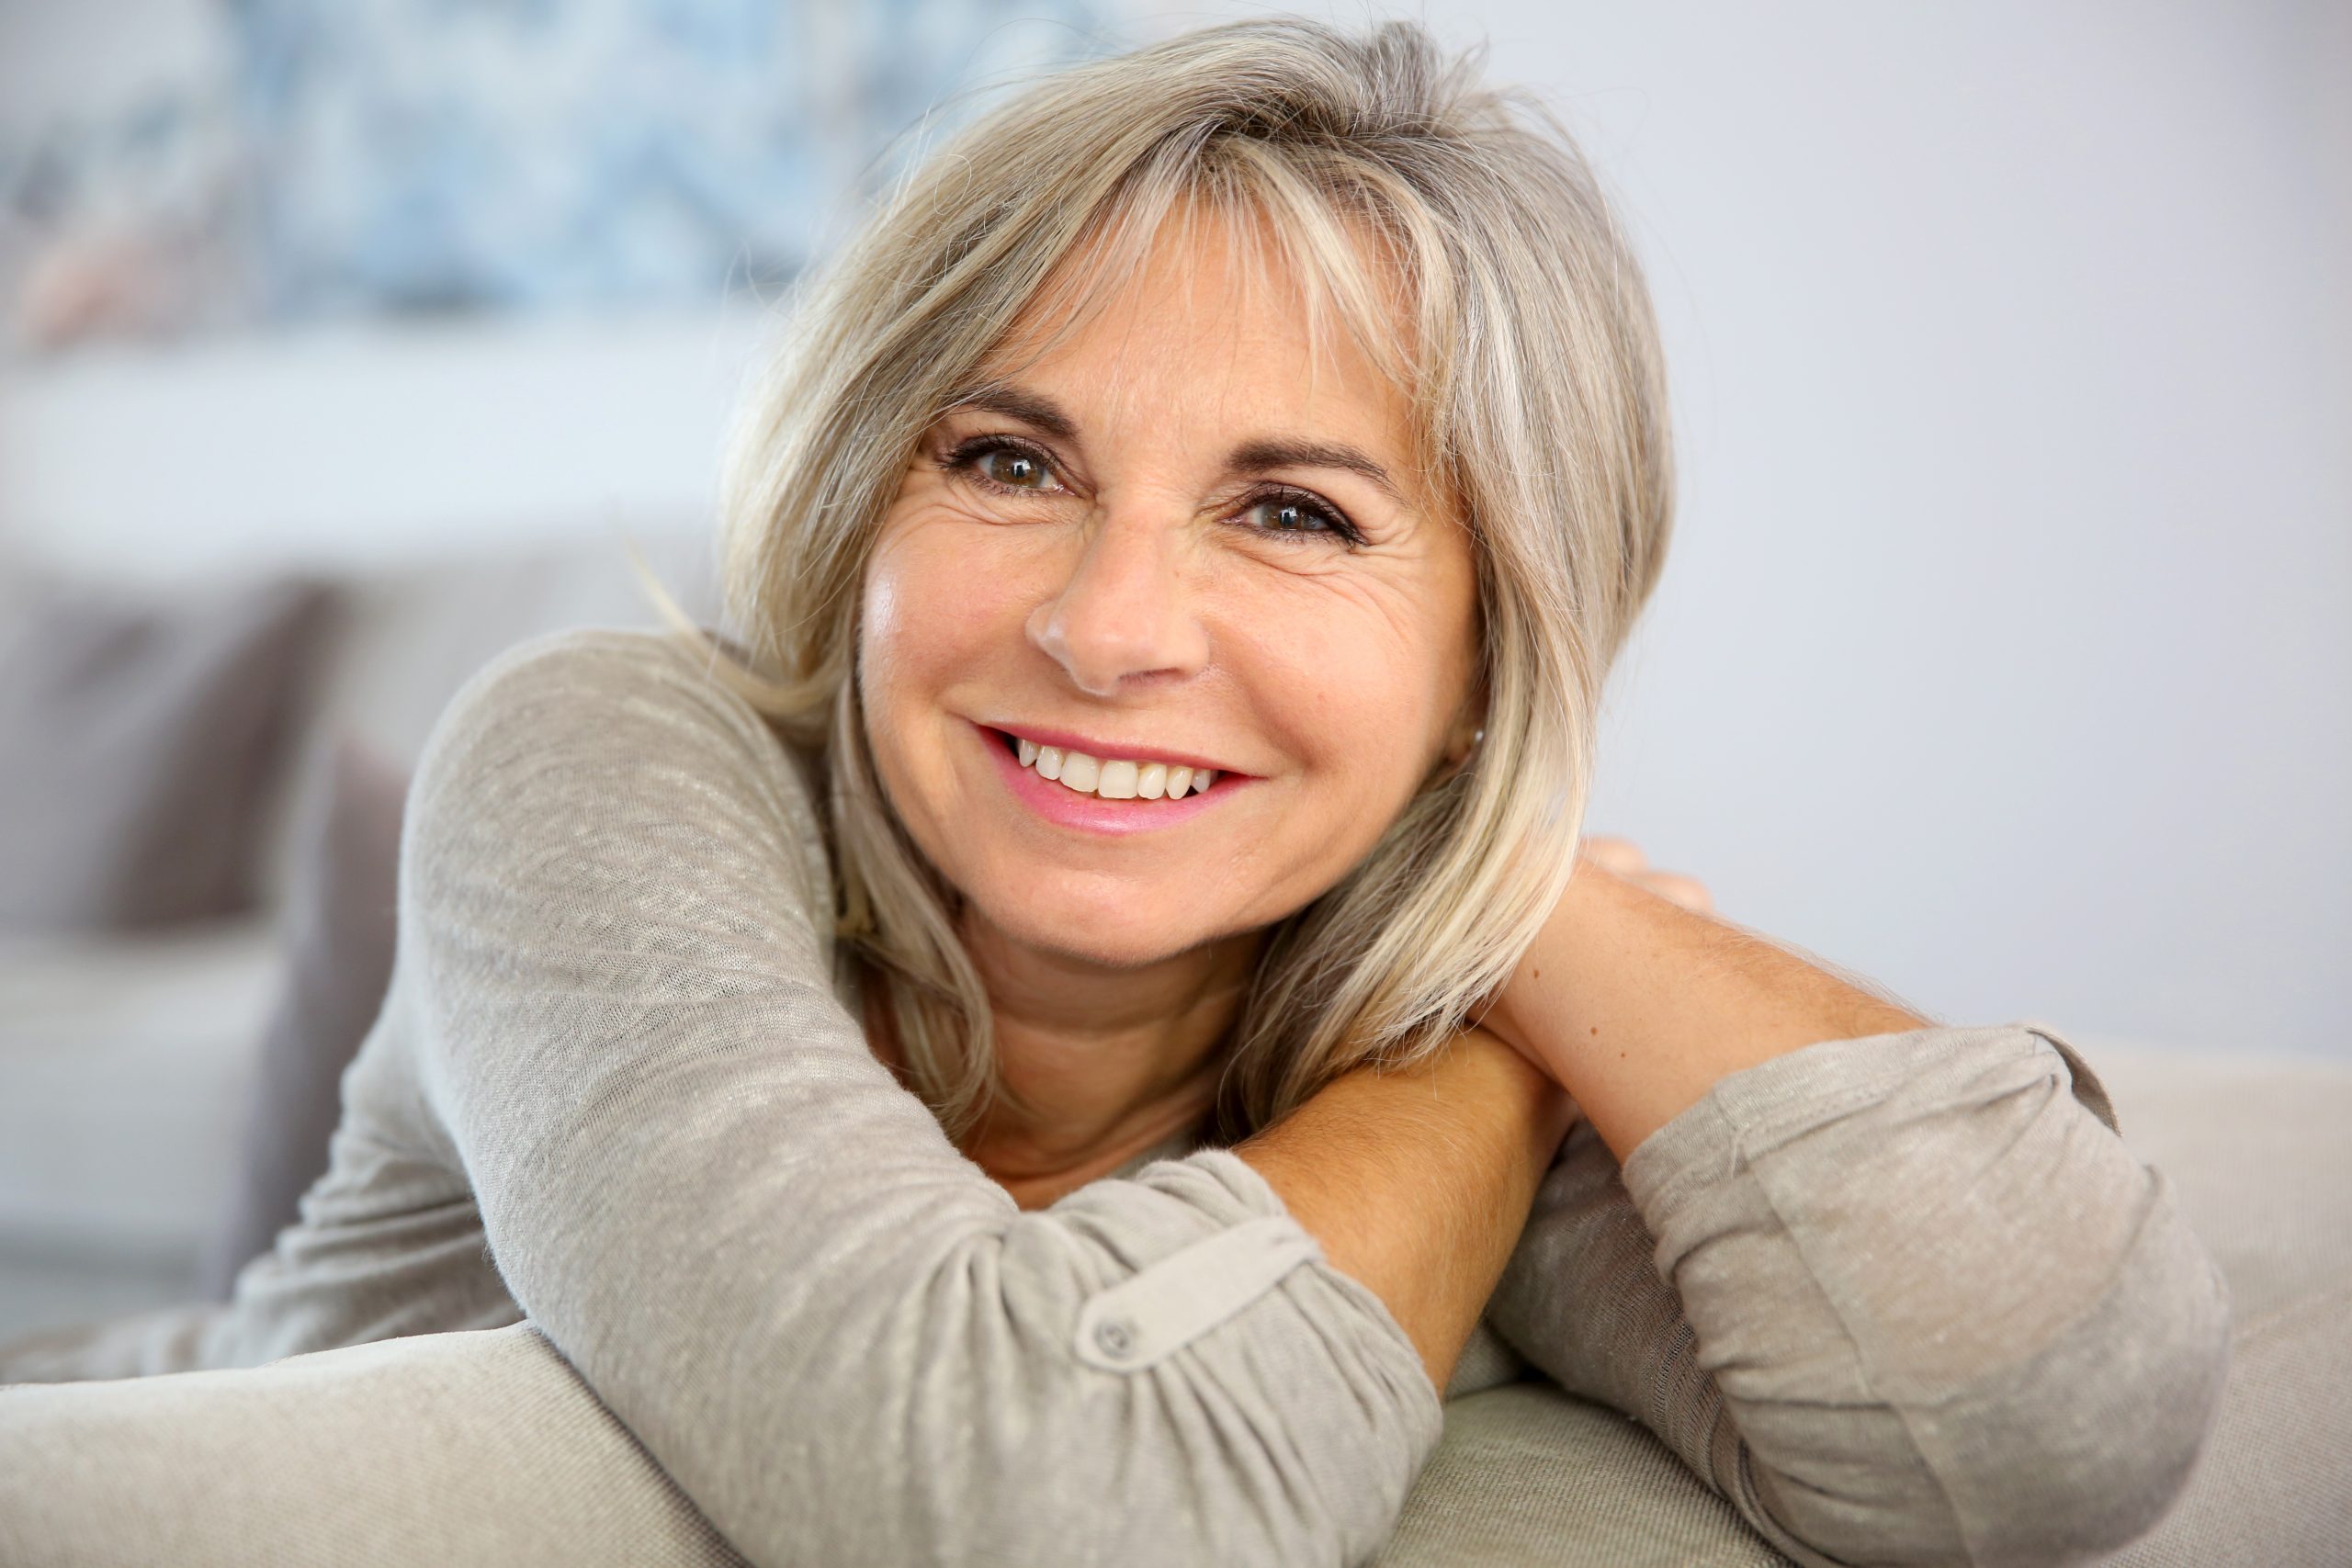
1124,584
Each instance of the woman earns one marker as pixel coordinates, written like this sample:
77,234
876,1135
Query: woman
1173,579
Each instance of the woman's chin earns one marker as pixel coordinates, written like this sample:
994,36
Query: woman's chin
1113,939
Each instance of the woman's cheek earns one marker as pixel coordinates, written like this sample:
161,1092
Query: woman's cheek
932,592
981,576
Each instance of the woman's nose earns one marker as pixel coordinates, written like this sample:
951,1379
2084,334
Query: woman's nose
1124,611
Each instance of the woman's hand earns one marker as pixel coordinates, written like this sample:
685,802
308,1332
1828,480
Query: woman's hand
1625,858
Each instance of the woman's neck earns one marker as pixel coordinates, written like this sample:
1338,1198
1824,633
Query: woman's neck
1110,1062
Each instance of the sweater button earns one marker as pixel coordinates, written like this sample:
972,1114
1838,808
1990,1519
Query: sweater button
1114,1337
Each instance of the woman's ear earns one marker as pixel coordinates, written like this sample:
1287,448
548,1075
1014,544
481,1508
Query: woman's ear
1469,725
1468,733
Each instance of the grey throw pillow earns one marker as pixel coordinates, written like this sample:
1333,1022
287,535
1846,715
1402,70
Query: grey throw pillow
143,735
338,929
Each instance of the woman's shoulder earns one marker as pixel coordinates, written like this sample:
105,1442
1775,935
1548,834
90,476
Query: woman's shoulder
618,685
619,721
616,660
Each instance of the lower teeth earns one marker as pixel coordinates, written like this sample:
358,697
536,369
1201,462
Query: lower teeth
1137,799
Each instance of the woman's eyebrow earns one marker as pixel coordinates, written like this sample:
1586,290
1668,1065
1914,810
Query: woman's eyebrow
1252,457
1291,452
1029,408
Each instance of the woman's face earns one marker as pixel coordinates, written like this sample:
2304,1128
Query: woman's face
1178,544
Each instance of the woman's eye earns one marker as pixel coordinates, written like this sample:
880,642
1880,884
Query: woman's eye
1017,469
1001,464
1297,515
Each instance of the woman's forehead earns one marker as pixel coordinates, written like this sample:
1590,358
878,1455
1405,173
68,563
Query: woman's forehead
1203,256
1191,299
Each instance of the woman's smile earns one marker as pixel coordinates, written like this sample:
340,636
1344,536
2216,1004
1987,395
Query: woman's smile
1078,790
1046,749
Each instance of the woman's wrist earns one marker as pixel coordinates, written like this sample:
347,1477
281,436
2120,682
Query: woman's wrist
1534,1011
1637,1004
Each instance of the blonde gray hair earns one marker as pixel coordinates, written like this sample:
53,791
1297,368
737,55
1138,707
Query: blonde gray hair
1527,339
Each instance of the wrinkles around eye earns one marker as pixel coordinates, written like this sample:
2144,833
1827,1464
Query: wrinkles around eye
1323,519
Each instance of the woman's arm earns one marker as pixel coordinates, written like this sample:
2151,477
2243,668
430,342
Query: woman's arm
1418,1183
842,1339
1637,1004
1900,1297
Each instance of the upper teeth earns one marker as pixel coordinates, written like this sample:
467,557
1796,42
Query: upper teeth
1118,779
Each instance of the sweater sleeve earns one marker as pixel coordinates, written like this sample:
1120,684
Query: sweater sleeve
1902,1299
842,1339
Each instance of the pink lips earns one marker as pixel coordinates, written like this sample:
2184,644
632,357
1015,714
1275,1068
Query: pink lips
1067,808
1094,748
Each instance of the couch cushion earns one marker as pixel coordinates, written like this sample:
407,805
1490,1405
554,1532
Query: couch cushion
339,923
475,1446
409,635
1527,1476
143,738
124,1062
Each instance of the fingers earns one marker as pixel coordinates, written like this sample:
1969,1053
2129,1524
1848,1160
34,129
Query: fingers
1686,891
1625,858
1619,855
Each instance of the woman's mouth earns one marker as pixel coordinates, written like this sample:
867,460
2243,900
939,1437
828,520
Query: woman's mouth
1110,778
1098,796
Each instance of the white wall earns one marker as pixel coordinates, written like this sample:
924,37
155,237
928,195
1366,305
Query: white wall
362,445
2005,651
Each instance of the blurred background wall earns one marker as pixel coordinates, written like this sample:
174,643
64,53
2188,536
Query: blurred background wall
2006,653
350,281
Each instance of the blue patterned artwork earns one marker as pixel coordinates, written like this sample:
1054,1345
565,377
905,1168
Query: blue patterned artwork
356,157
